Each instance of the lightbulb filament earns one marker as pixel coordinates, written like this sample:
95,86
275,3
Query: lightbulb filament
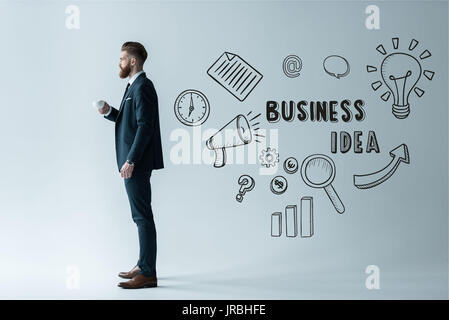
400,98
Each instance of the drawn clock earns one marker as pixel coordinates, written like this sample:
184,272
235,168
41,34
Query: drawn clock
192,107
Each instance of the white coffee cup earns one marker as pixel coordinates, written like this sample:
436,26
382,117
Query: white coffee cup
98,104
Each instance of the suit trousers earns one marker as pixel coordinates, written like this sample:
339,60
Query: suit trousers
138,189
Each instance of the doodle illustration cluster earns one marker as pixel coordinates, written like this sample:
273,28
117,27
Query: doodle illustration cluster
399,72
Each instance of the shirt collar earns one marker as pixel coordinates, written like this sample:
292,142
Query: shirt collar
134,77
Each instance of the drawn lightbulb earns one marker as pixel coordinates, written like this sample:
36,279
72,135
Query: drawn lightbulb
400,72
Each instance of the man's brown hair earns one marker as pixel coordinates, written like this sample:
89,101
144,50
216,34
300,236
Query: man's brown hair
137,50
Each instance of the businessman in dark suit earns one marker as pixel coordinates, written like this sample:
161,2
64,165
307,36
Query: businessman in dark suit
138,151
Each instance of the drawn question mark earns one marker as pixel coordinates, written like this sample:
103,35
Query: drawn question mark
247,184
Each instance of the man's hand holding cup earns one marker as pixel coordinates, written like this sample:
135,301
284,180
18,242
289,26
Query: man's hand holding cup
102,106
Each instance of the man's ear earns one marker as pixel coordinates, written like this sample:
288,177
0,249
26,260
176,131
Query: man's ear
133,61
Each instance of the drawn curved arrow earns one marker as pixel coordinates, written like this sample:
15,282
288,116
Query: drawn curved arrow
399,154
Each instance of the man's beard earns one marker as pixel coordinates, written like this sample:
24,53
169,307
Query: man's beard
125,71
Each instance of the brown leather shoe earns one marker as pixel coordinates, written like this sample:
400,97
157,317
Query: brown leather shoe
129,274
139,281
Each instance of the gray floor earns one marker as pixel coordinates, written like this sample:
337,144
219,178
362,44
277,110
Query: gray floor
221,284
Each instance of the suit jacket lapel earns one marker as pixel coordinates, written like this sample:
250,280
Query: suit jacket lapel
128,93
124,98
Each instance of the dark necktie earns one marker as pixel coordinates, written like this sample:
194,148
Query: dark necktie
126,90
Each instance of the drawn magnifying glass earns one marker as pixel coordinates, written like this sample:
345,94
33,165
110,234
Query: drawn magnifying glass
318,171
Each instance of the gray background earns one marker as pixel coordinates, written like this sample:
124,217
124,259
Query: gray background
63,203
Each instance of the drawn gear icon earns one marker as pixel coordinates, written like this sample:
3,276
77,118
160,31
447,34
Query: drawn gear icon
269,157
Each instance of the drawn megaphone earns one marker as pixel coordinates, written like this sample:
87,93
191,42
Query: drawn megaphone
238,133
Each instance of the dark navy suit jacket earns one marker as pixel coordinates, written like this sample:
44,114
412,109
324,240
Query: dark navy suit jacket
137,131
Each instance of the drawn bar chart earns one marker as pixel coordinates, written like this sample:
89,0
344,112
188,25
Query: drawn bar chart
291,220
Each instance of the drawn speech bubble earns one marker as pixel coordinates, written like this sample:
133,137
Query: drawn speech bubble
336,66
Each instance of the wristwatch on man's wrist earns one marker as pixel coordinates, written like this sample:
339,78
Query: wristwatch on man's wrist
130,163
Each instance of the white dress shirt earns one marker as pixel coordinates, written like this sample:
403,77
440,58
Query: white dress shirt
133,78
